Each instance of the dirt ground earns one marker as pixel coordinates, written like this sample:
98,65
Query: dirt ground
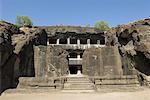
139,95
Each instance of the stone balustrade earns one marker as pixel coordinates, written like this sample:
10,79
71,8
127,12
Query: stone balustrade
76,46
75,61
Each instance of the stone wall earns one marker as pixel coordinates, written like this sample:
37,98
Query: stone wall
40,61
102,61
57,62
50,61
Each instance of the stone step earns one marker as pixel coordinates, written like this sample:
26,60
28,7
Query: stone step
78,91
118,86
116,82
42,84
31,90
78,85
78,81
81,77
116,77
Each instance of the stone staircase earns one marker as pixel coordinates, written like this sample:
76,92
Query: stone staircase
117,83
79,84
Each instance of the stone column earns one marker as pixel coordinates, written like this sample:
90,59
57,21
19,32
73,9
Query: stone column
48,42
98,42
79,68
106,40
57,42
36,60
78,56
78,41
68,40
88,42
40,61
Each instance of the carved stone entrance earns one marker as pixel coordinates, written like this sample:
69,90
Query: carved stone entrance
75,63
75,69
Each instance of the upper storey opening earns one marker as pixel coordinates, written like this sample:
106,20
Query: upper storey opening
75,37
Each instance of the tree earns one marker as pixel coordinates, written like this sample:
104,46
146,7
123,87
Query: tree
102,25
87,25
23,20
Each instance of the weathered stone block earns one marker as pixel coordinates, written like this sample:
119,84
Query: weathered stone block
102,61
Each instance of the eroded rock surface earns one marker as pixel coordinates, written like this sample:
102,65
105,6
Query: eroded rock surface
16,52
17,48
133,40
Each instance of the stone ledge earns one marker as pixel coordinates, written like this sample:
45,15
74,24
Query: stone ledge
33,82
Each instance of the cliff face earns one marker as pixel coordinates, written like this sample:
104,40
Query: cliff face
7,56
6,47
133,41
16,52
53,30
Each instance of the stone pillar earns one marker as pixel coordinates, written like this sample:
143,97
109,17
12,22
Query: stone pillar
106,40
98,42
36,60
48,42
78,56
57,42
68,40
79,67
88,42
79,73
68,72
40,61
78,41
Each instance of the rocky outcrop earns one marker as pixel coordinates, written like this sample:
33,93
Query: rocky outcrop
16,52
6,47
17,48
7,57
53,30
133,41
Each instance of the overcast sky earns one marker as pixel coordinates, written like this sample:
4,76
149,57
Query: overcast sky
75,12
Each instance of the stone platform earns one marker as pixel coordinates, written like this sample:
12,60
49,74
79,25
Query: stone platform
79,83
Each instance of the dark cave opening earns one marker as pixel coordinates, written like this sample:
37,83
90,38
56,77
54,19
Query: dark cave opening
74,69
142,63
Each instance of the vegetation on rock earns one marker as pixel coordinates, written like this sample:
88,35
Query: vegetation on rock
23,21
102,25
